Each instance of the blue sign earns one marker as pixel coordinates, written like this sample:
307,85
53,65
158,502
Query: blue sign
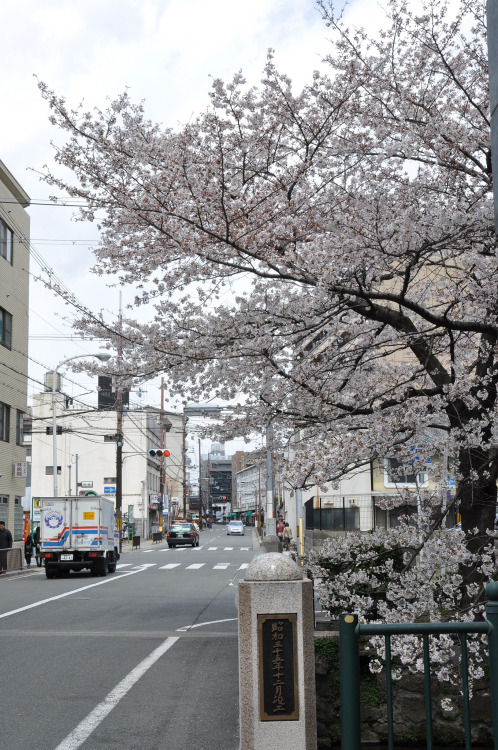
109,490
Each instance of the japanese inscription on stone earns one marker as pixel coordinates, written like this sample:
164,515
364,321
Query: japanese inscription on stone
278,693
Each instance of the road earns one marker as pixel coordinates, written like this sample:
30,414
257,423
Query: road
145,658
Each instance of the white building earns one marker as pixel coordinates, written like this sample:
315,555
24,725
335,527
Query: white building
250,491
86,456
14,309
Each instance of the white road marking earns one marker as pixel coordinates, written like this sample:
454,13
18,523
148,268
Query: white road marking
85,728
212,548
169,566
145,565
221,566
244,566
245,548
195,566
201,625
69,593
228,549
123,565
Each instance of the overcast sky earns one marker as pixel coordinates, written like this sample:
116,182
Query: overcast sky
164,52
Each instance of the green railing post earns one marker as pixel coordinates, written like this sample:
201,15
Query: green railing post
492,618
349,663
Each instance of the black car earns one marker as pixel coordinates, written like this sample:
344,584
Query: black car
184,533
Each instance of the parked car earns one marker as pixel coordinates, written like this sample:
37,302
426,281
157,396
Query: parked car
235,527
185,533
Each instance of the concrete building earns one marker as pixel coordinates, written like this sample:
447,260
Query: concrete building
86,456
14,308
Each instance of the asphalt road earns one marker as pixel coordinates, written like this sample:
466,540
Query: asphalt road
144,658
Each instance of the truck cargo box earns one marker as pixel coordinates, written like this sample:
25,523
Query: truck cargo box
77,533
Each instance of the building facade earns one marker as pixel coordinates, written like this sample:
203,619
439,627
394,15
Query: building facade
86,443
14,309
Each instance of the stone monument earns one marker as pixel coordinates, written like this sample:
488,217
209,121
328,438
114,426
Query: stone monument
276,656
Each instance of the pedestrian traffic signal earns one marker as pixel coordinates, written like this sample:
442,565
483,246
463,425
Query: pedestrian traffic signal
159,453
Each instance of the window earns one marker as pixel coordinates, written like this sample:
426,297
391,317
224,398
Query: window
6,241
17,500
4,499
20,427
397,474
4,422
50,430
110,480
5,328
49,470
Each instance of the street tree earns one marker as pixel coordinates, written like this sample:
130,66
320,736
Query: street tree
328,253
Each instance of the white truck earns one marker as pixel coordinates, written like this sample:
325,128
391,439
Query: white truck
78,533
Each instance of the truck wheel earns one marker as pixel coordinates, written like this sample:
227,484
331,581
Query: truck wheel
111,566
103,567
50,571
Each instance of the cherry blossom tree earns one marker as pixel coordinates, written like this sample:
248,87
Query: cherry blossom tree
326,257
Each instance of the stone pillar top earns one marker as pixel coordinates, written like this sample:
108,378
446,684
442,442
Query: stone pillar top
273,567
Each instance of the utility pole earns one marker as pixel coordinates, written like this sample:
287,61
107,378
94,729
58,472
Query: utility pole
119,439
270,522
160,505
200,479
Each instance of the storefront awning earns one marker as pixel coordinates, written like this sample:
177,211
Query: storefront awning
249,513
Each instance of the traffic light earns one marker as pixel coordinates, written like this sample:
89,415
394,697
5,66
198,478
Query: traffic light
159,453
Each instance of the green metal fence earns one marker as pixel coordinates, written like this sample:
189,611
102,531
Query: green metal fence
349,633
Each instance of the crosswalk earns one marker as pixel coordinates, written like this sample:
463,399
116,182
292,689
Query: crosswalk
192,566
198,549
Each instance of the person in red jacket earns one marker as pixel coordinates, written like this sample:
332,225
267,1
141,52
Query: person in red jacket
280,528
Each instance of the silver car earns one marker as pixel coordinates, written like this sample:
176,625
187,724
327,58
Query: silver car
235,527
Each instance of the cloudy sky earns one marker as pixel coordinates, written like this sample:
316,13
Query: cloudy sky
164,52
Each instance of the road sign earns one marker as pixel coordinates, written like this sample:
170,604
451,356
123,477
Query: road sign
109,490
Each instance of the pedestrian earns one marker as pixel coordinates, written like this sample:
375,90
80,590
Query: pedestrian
5,545
280,528
287,536
28,550
36,542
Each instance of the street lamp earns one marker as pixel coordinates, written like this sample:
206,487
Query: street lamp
103,358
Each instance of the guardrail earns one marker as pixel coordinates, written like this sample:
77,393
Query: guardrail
349,633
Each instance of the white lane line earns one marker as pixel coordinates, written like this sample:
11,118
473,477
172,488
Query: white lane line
212,548
123,565
228,549
195,566
201,625
85,728
221,566
244,548
169,566
244,566
69,593
145,565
